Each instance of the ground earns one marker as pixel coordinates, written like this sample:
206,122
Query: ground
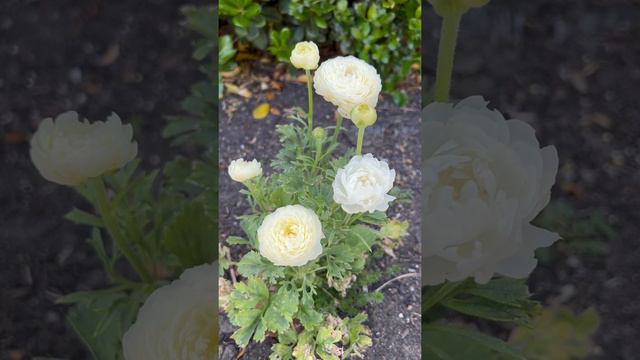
395,323
570,69
95,57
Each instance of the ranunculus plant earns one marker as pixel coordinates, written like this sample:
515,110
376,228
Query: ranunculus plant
315,222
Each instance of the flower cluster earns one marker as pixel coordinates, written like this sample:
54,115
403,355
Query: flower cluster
311,222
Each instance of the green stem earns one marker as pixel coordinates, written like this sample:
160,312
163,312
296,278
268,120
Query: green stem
360,140
446,54
254,193
310,93
336,132
316,161
105,210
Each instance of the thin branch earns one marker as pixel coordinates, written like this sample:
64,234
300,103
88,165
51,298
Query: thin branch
396,278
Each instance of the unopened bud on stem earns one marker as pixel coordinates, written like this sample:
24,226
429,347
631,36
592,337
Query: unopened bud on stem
363,116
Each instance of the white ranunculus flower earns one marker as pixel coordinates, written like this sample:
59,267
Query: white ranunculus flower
290,236
178,321
347,82
363,185
484,179
68,151
305,55
241,170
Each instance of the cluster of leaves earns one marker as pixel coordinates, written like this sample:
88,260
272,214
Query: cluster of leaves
167,216
289,302
501,300
384,33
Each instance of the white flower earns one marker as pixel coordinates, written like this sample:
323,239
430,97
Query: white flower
290,236
347,82
305,55
178,321
241,170
69,151
484,180
363,185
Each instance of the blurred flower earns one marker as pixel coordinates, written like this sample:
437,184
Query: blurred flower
68,151
363,185
484,180
290,236
347,82
363,115
178,321
305,55
241,170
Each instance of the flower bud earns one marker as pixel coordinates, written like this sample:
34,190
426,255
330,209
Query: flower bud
363,115
319,133
305,55
241,170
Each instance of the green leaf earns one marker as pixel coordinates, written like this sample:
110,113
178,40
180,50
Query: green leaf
101,319
453,343
502,290
487,310
236,240
309,317
247,303
282,307
82,217
191,236
253,264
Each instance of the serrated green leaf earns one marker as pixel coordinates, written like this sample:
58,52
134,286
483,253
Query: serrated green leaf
282,307
253,264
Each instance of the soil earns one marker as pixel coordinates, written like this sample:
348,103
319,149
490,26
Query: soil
570,69
95,57
395,323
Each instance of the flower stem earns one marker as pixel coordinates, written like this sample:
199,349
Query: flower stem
253,191
360,140
105,211
446,54
310,93
336,132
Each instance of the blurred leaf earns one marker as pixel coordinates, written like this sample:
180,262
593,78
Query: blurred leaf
445,342
191,236
557,334
261,111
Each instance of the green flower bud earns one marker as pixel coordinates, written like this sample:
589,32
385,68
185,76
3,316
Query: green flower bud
363,115
319,133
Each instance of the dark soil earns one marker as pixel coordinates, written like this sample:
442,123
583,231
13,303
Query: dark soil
395,323
570,68
95,57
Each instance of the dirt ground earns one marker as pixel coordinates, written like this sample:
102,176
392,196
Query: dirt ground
395,323
95,57
570,68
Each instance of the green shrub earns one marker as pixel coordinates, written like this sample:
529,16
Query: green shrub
385,33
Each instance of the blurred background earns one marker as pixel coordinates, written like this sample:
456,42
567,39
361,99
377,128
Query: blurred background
95,57
571,70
